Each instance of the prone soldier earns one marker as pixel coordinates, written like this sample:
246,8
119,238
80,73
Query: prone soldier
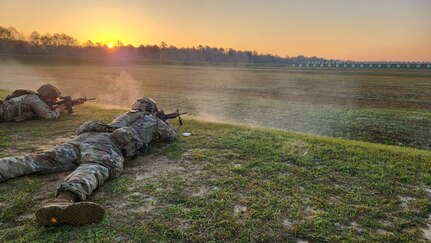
25,104
95,156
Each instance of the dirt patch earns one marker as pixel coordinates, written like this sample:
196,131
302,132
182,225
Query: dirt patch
426,232
201,192
25,217
237,166
356,227
428,191
384,232
50,183
405,201
330,99
148,205
386,223
152,166
309,212
238,209
287,223
52,143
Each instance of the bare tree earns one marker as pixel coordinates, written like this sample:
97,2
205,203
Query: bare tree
163,45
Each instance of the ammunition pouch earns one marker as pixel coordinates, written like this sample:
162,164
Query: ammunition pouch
128,139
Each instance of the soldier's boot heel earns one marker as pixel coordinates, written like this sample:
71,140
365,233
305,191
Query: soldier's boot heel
79,213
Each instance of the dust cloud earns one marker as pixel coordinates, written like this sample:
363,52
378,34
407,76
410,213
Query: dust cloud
322,102
21,76
121,90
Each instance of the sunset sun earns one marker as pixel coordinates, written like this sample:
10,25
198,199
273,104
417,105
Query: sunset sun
110,45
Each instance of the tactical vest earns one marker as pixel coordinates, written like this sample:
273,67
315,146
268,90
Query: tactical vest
15,110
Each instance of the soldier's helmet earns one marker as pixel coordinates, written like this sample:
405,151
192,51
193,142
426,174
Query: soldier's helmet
145,104
49,90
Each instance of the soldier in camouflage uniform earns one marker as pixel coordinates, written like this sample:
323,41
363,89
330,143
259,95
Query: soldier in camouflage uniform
97,155
31,105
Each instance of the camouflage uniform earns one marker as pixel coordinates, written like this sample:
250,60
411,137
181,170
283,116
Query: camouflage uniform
97,154
26,107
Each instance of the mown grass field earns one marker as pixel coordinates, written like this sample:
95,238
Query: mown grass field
387,106
231,183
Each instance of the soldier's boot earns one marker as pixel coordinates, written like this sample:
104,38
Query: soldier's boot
66,210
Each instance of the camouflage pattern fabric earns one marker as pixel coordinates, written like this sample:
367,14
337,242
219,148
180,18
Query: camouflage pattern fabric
127,118
128,139
27,107
101,159
94,126
95,156
148,126
1,110
61,158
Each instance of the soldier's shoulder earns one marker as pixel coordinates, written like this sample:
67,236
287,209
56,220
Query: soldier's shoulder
27,97
32,96
150,117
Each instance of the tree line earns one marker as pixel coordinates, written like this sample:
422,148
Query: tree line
58,44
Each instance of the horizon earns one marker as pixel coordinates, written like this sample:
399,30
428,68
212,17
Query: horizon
334,29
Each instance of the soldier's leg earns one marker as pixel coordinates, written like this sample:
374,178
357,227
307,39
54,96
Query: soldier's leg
64,157
92,174
78,186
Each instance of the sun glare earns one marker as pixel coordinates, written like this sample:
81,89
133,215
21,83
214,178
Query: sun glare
110,45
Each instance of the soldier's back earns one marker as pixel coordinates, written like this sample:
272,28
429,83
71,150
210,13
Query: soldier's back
19,108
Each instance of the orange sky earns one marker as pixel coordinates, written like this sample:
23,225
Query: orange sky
365,30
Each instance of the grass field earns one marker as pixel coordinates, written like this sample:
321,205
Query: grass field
382,106
231,183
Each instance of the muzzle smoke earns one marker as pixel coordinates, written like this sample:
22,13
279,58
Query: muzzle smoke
121,90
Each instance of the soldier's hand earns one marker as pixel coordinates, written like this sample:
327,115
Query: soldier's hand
61,108
161,115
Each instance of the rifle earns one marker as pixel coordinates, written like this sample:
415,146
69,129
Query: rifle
69,102
162,116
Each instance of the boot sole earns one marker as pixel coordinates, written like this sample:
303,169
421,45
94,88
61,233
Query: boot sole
75,214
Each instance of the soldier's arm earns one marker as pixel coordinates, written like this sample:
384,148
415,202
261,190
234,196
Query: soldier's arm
125,119
42,109
166,131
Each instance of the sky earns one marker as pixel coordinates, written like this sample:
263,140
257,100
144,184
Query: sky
359,30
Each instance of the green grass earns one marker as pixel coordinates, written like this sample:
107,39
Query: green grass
232,183
388,106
